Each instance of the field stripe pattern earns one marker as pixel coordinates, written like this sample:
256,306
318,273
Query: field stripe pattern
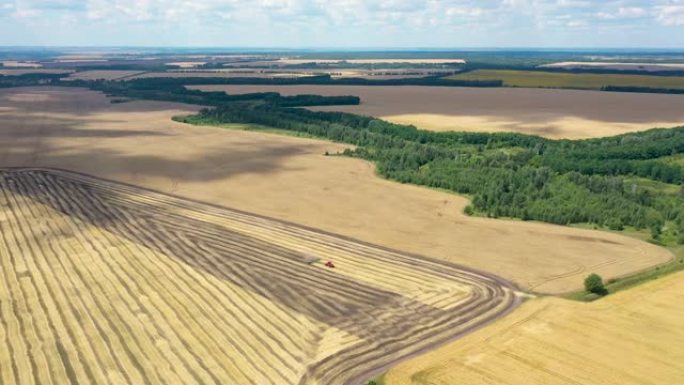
104,283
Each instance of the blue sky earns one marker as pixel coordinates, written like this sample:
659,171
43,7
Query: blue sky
344,23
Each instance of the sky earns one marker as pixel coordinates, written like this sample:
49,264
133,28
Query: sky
344,23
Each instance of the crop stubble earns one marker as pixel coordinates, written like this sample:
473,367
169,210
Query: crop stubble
107,283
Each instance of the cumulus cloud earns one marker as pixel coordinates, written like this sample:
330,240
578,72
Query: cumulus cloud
671,14
414,18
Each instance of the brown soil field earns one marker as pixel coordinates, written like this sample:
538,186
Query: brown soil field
187,64
388,74
371,61
290,179
631,338
220,74
24,71
288,61
272,73
106,283
20,64
103,75
550,113
649,67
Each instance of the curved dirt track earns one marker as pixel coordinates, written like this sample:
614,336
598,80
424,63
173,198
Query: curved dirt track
111,283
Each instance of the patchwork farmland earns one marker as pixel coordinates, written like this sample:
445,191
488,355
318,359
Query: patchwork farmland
551,113
106,283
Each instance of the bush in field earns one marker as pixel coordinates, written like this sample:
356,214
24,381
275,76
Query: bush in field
594,284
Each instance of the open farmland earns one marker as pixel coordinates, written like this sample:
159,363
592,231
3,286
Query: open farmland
630,338
19,64
106,283
331,62
541,79
289,178
25,71
550,113
401,73
103,75
237,73
647,67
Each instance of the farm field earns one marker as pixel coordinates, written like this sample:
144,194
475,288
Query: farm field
172,291
630,338
303,61
222,74
647,67
274,73
103,75
289,178
534,79
24,71
554,114
19,64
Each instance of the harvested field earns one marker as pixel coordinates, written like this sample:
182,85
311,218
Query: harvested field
409,61
24,71
103,75
543,79
550,113
647,67
221,74
289,178
370,61
274,73
388,74
631,338
187,64
331,62
106,283
20,64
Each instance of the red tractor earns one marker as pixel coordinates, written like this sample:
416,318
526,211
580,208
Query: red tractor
330,264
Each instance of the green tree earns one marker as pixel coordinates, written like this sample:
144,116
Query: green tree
594,284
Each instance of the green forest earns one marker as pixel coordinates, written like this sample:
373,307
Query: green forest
616,182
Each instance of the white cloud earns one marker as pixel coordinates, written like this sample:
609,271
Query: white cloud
341,18
672,15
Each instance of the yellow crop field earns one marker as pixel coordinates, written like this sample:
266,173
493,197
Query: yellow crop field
534,79
630,338
104,283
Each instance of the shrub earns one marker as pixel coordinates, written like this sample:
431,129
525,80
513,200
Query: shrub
594,284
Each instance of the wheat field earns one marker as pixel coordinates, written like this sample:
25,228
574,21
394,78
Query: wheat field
633,337
104,283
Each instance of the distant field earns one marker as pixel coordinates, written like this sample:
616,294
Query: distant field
300,61
102,283
566,80
103,75
286,73
24,71
289,178
550,113
647,67
20,64
632,338
221,74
